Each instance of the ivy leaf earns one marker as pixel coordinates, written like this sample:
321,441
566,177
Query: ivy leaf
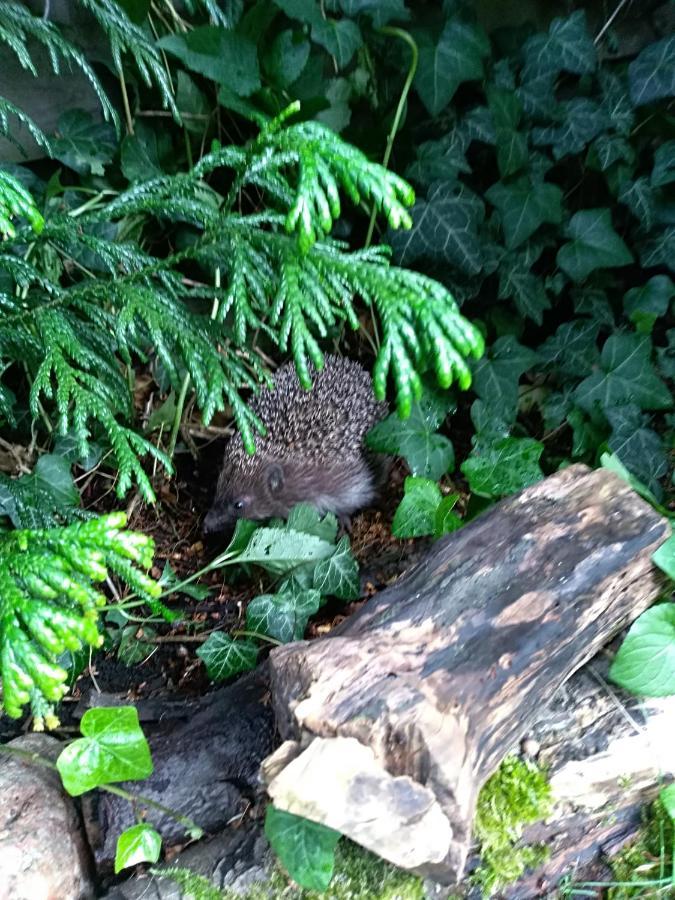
445,228
645,663
169,579
440,160
308,520
427,454
527,289
338,576
659,249
282,616
595,304
225,656
141,153
305,849
664,557
581,120
340,38
638,196
134,645
566,47
287,57
572,351
667,800
138,844
651,76
594,245
643,305
380,11
446,520
608,149
495,376
524,207
113,748
638,447
457,57
279,550
616,102
416,513
664,165
611,462
627,376
503,467
82,144
226,57
189,99
42,498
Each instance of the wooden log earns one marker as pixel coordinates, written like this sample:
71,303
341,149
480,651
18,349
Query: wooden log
392,724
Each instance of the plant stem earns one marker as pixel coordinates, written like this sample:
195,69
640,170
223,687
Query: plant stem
30,756
256,634
410,41
180,403
125,103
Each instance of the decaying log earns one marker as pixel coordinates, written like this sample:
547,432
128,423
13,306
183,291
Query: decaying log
392,725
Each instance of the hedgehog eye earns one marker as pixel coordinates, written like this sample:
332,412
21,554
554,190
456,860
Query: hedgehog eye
238,505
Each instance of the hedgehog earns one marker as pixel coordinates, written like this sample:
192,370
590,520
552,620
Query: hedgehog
313,450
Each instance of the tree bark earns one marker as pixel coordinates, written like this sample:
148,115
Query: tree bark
393,722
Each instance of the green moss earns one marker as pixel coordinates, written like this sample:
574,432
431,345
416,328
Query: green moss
358,875
517,793
648,859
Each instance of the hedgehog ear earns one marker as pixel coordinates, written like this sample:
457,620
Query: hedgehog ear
275,479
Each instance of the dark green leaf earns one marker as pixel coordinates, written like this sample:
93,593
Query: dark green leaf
225,656
667,799
581,120
338,576
608,149
223,56
142,151
626,376
643,305
587,434
616,101
639,448
495,377
659,249
613,464
308,11
572,351
169,578
664,164
526,289
340,38
428,454
594,245
380,11
512,151
138,844
440,160
338,113
567,47
666,356
457,57
504,467
82,143
287,58
416,513
193,105
282,616
652,75
445,228
645,663
664,557
305,849
639,198
524,206
595,304
134,645
42,498
113,748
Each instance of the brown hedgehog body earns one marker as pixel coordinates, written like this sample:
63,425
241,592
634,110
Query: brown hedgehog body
313,451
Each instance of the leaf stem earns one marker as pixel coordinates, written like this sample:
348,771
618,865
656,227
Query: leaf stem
412,69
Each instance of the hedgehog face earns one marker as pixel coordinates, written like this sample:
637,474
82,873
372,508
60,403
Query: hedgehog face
257,498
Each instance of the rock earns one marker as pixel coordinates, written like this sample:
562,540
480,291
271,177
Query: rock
43,854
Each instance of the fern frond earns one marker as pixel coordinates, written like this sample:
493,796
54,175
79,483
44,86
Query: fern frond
48,604
127,38
8,109
17,25
16,201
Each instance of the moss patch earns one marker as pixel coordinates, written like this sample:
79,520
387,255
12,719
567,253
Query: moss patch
358,875
517,793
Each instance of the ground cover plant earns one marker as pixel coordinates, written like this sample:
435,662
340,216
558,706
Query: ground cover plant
223,209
